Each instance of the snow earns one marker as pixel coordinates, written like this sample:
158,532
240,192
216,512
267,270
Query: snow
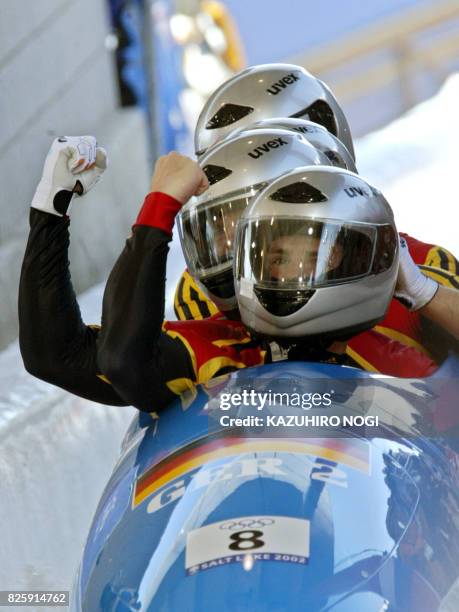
57,453
58,450
414,162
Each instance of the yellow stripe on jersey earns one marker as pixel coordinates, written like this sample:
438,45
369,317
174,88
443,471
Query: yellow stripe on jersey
174,335
220,343
443,277
190,302
192,305
104,378
184,387
177,304
180,385
363,363
201,299
101,376
403,338
439,257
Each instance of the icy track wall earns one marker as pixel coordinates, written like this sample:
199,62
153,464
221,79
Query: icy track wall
57,451
47,48
56,454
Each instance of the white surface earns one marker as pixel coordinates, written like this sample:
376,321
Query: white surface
57,451
414,161
56,454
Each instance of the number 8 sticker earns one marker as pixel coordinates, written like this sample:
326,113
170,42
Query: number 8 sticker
278,538
250,537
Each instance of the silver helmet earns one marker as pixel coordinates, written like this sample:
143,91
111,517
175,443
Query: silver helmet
265,91
237,169
315,133
316,255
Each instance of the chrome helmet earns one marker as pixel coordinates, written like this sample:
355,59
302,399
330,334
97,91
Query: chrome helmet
315,133
237,169
316,255
265,91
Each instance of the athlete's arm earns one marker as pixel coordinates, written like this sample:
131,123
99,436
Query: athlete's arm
135,355
443,309
55,344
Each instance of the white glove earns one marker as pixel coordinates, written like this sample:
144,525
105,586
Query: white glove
414,290
73,165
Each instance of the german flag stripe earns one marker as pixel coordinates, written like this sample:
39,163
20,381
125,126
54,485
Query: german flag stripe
353,453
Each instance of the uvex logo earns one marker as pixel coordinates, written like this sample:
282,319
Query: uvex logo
306,129
354,192
266,147
284,82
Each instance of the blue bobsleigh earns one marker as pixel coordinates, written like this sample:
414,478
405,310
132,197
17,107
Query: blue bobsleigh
290,512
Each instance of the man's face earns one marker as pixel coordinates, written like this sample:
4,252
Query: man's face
294,258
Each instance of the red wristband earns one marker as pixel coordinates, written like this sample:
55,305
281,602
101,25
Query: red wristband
158,210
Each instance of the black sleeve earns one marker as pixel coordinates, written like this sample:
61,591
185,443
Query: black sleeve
55,344
138,358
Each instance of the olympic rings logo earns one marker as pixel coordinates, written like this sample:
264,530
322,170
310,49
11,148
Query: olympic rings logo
248,523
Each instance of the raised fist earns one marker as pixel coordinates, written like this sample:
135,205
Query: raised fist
73,165
179,177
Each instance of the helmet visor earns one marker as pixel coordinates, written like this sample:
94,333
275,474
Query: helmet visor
207,232
297,253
